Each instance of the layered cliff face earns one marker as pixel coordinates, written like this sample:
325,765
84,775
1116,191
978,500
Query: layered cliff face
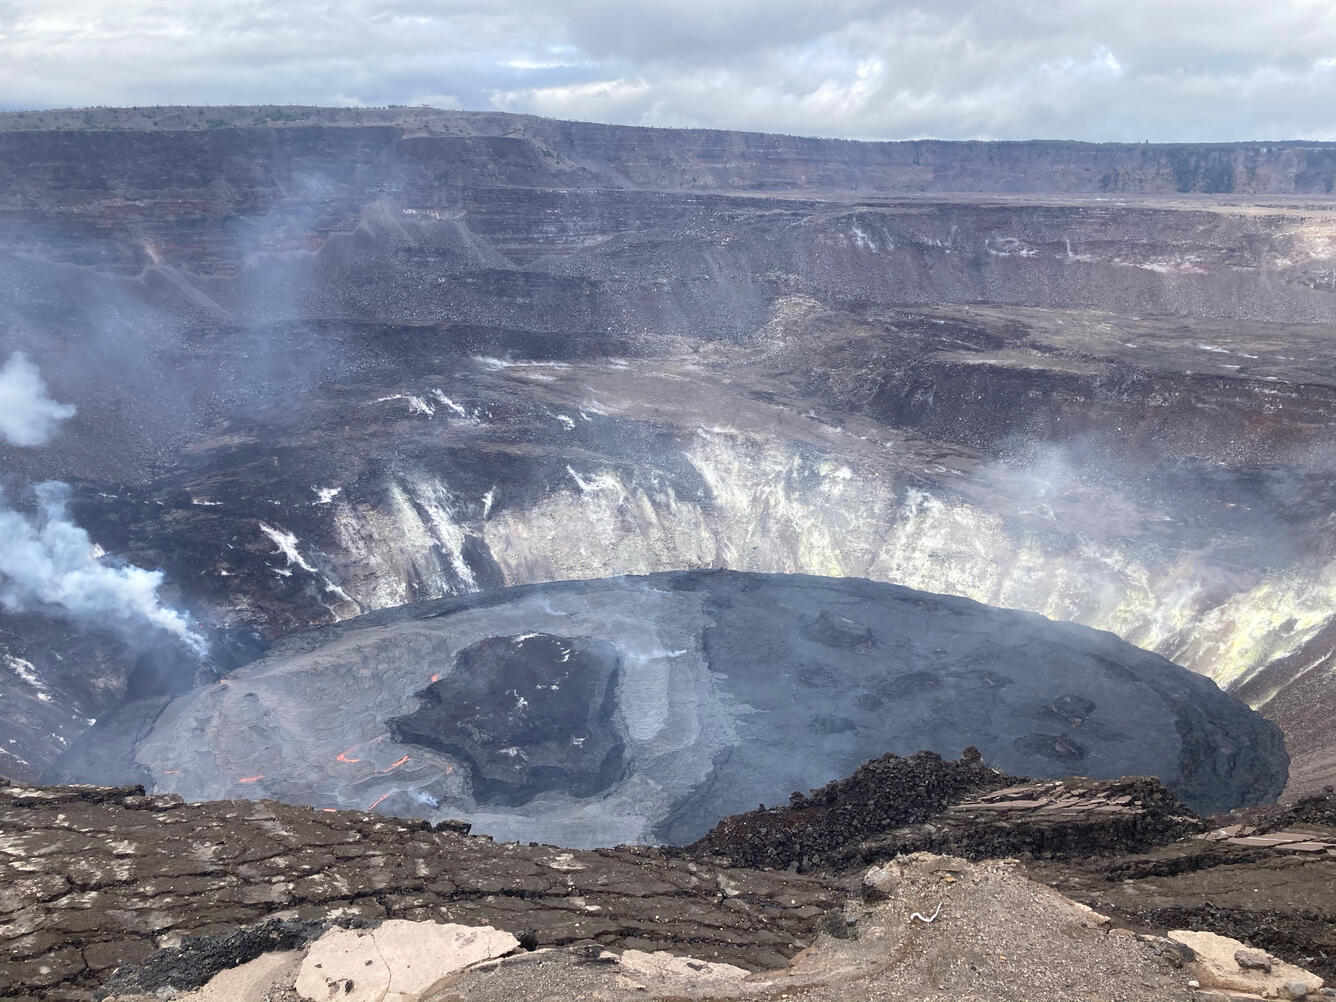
334,364
520,149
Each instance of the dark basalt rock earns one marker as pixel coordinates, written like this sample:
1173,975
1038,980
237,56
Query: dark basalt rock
1058,747
924,803
825,828
1063,819
1319,809
263,876
234,879
834,630
199,958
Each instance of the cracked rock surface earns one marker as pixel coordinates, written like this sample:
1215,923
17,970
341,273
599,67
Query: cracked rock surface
994,935
173,894
96,878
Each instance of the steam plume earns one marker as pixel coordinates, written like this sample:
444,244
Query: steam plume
27,415
48,563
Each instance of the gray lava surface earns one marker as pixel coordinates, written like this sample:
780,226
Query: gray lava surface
647,708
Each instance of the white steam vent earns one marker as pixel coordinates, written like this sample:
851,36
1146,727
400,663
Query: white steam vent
49,564
28,416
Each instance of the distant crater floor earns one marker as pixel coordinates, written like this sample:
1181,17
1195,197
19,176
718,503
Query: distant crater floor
646,708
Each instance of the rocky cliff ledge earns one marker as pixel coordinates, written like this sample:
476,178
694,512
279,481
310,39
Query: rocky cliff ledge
100,879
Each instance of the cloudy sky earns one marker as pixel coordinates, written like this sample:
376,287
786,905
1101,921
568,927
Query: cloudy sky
1009,69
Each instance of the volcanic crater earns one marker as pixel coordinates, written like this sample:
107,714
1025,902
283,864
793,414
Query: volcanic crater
339,362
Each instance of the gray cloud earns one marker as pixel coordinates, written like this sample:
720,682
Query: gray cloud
28,416
1085,69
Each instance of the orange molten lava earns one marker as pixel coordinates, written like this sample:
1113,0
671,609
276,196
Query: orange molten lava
375,802
250,779
171,772
347,757
395,765
436,678
330,810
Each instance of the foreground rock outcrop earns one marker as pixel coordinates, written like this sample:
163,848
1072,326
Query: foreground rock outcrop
1264,876
892,806
397,961
116,889
97,878
992,934
1225,965
950,929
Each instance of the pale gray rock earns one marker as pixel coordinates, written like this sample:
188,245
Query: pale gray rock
878,883
398,961
1216,967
